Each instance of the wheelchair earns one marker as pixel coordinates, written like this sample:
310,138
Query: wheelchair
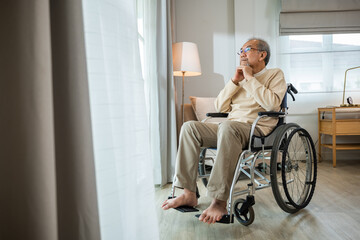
292,167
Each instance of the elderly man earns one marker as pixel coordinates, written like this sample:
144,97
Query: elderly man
253,89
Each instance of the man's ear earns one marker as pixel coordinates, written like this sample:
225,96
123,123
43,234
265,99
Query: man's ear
263,55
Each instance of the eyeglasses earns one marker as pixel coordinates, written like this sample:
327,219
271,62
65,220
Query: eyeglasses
246,50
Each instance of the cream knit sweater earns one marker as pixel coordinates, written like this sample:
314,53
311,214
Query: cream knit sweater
263,92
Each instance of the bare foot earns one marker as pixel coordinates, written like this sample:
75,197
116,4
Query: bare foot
188,198
214,212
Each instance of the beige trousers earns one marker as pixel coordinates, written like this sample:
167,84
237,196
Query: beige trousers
229,137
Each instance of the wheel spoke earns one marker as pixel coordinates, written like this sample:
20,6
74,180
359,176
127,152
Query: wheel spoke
298,168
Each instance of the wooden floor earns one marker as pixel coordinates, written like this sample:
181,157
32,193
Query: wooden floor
333,213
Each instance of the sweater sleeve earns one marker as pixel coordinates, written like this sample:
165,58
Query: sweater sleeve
223,100
268,97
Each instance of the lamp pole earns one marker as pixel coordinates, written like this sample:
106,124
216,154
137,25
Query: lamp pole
182,98
344,105
186,61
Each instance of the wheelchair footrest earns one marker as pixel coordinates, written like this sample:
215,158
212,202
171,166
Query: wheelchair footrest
185,209
225,218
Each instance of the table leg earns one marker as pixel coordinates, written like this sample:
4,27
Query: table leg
319,137
334,136
319,148
334,150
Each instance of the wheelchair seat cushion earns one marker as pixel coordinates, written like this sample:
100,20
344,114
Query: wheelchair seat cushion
268,139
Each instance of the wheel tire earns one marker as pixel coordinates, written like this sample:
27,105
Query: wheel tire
202,167
299,173
275,172
248,218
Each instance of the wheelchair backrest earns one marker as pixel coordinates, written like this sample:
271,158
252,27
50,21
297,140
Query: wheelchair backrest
284,106
268,140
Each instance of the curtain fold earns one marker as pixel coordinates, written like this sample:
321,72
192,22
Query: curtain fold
75,172
120,124
47,179
171,134
160,88
319,17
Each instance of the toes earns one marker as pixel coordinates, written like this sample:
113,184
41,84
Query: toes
202,216
211,216
206,219
164,204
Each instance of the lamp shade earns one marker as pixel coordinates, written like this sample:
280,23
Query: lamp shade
186,59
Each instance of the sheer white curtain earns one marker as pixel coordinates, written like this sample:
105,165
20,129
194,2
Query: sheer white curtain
317,63
159,86
120,128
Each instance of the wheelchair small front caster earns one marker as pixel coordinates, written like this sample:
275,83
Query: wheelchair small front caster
244,211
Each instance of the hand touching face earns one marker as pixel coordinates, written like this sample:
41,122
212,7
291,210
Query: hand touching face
238,76
247,70
244,71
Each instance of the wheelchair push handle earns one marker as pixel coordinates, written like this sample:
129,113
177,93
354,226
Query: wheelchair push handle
291,89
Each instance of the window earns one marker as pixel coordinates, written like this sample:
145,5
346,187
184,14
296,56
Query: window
317,63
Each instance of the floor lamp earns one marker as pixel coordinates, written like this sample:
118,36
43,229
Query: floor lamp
186,62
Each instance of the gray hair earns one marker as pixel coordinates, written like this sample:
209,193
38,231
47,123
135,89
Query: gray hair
263,46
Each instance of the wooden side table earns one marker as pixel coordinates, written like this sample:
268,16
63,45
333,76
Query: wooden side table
336,127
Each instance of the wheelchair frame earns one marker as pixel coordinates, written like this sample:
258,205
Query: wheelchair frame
247,160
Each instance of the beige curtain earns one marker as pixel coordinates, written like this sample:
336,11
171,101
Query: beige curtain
47,180
319,16
160,88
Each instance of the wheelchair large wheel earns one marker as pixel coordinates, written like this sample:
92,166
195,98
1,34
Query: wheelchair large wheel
275,168
299,168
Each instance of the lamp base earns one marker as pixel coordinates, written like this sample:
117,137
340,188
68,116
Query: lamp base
349,105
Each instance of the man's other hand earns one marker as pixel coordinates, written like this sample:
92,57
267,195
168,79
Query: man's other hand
247,72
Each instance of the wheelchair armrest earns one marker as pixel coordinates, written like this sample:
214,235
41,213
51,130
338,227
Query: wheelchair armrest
271,114
219,115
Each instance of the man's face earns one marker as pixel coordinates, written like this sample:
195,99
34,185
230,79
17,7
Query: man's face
250,53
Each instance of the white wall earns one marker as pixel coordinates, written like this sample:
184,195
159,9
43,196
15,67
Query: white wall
255,18
220,27
209,24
